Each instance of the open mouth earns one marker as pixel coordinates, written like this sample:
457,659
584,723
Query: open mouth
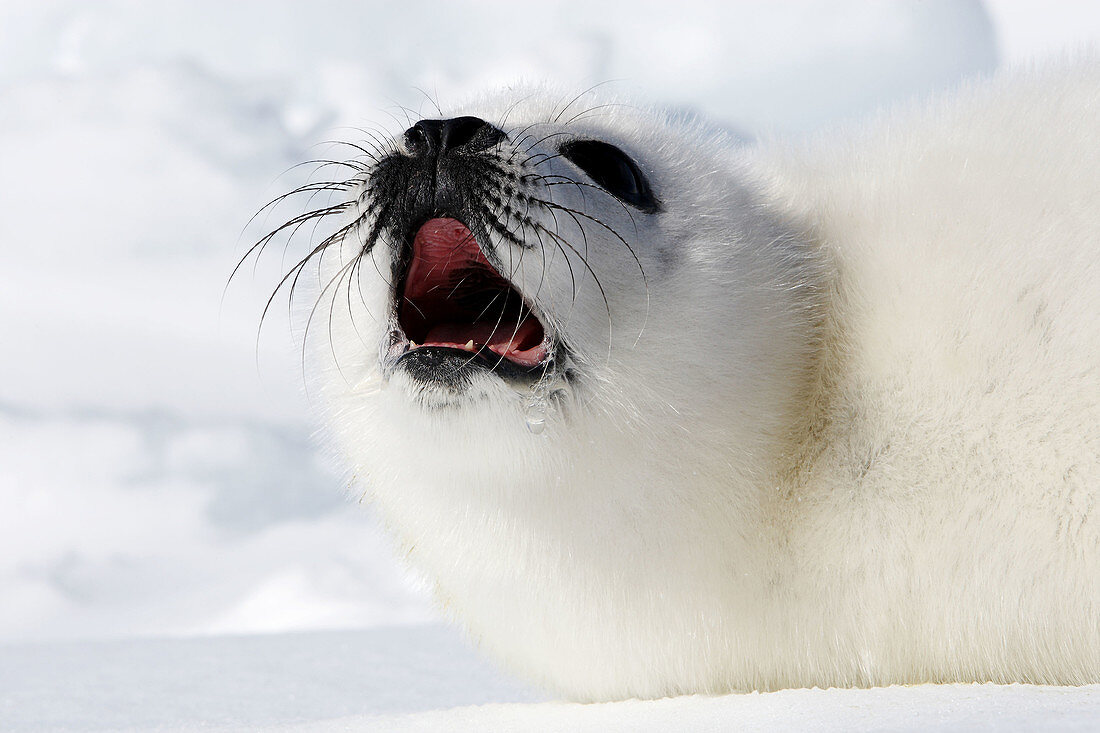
453,298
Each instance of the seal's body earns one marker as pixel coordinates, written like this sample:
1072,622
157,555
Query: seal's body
662,414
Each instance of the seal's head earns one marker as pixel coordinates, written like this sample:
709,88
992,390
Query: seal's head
540,247
558,337
493,263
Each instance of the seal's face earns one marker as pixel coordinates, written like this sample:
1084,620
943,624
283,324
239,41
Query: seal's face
492,263
533,252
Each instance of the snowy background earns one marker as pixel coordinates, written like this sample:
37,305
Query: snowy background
159,484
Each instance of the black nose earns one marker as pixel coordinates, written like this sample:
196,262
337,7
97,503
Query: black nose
435,137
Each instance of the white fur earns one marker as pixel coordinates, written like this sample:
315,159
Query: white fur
846,431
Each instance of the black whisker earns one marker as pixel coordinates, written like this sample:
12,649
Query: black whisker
431,100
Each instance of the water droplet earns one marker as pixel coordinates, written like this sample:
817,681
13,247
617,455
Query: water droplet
545,395
535,415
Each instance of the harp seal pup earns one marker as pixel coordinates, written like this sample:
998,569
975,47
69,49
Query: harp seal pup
659,413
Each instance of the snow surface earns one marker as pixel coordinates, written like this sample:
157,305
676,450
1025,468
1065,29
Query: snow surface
918,708
257,681
426,679
157,467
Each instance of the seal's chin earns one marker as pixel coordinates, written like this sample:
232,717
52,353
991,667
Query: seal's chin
455,315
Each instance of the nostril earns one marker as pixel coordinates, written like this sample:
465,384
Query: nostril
432,137
417,140
461,130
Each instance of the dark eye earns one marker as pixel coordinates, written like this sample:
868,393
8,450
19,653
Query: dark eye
612,170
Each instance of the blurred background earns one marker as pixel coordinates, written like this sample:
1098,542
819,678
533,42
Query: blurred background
158,470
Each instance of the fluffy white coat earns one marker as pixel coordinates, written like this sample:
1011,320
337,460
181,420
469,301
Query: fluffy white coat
835,420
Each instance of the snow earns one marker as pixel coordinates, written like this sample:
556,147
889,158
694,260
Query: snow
245,682
427,679
161,485
917,708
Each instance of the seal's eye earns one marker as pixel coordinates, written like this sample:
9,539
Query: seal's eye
612,170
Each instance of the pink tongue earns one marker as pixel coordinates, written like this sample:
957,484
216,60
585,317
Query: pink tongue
440,246
505,340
